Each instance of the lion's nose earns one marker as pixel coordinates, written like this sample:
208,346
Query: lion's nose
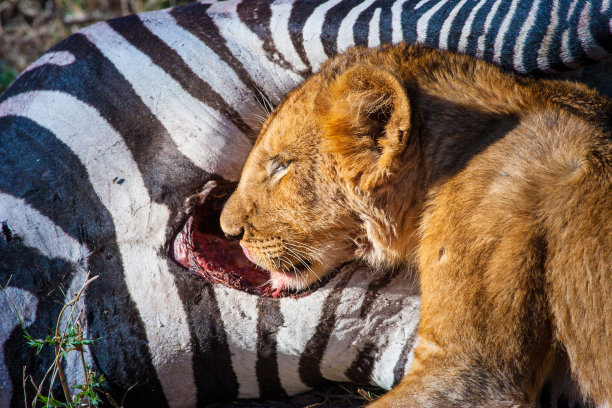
231,219
237,236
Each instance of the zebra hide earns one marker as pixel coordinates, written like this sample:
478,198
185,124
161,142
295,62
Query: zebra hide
104,137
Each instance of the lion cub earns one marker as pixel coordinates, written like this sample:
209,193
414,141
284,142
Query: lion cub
499,186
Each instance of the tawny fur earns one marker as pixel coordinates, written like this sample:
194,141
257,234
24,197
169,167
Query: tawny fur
499,186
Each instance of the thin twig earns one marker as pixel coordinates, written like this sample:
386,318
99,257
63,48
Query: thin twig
24,384
58,350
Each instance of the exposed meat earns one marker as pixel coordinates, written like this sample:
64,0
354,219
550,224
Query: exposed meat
201,247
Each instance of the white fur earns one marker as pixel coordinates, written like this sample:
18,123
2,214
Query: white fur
74,367
445,30
546,42
35,229
395,324
566,55
25,303
206,64
374,29
137,221
60,58
485,29
248,49
467,27
397,35
239,314
519,46
279,28
572,9
347,339
345,37
501,33
201,133
301,317
423,21
593,50
312,34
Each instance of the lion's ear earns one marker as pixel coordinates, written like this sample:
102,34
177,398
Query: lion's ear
366,121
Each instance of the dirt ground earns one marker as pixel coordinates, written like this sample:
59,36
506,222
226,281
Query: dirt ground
28,28
334,396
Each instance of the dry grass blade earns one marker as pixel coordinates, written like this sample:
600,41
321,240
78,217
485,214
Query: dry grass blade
366,395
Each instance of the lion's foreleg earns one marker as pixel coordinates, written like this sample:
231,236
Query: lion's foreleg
451,382
485,333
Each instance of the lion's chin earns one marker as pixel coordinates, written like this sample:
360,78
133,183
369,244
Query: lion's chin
282,282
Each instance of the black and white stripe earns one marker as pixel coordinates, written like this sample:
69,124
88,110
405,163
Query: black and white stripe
104,136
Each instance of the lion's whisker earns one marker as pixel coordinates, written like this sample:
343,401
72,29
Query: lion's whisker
300,283
303,253
317,255
305,264
302,244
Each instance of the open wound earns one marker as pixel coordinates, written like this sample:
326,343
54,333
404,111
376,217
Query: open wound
201,247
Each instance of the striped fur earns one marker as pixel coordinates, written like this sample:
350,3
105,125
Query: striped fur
104,136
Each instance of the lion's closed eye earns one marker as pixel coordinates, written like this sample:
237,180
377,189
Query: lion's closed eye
278,168
281,167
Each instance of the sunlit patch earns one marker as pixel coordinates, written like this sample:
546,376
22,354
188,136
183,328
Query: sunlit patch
202,248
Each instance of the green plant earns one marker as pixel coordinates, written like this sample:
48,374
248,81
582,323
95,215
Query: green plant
65,339
7,76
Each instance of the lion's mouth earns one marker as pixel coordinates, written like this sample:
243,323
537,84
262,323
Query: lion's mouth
201,247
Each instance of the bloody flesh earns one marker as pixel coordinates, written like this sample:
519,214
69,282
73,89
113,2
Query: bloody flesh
218,255
202,248
217,259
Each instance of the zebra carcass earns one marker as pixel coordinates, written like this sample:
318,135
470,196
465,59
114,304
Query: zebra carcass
105,136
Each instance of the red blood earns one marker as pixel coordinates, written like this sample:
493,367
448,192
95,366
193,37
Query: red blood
219,255
217,259
277,293
201,248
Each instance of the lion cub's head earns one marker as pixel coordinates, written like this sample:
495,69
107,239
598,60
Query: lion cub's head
312,189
